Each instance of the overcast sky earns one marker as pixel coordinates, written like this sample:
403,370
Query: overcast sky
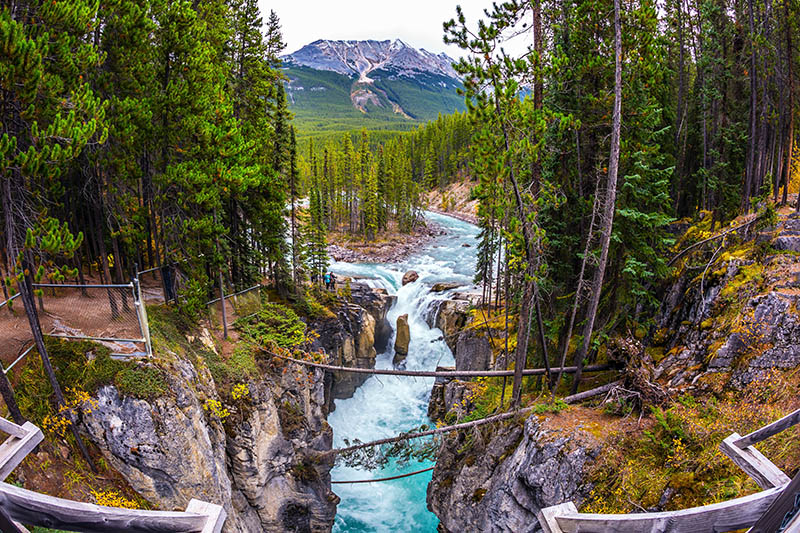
417,22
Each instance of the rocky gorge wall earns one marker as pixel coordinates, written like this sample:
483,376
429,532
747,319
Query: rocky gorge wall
257,461
353,338
728,318
736,318
498,478
257,453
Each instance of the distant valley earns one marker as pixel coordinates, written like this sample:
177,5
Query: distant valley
380,85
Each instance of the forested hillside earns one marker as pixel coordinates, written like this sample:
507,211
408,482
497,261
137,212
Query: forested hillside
154,131
361,185
639,116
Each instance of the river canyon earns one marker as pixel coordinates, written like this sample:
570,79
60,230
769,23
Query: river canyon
384,406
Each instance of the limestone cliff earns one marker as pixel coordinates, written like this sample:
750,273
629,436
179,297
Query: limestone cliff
497,479
353,337
734,316
728,319
470,345
255,458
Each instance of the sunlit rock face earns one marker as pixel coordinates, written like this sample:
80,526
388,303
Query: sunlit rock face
353,337
262,463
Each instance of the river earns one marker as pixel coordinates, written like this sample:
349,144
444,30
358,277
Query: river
387,405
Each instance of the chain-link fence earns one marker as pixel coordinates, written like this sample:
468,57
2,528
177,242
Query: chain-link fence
237,305
161,284
16,340
113,315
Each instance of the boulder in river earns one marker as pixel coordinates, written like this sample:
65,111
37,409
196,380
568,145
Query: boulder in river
443,286
401,339
410,277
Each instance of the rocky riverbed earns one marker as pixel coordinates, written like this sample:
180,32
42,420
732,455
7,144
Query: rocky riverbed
393,247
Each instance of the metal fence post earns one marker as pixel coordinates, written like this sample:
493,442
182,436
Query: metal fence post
141,313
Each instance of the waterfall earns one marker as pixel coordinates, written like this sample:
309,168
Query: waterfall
386,405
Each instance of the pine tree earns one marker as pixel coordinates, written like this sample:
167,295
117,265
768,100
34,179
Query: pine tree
315,236
49,114
274,41
296,241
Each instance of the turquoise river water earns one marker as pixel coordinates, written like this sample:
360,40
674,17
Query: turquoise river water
387,405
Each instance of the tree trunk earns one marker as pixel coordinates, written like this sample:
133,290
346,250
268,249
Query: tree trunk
11,402
578,292
679,118
26,295
112,301
523,336
5,387
120,275
542,337
607,220
787,171
221,287
751,147
293,194
506,304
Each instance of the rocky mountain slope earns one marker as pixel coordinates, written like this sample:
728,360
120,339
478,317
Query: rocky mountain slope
363,57
342,85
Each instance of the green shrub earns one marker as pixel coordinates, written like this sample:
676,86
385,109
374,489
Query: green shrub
241,365
274,324
242,362
143,382
554,407
192,299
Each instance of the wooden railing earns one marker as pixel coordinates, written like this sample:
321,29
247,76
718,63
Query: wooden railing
33,508
18,505
20,442
769,511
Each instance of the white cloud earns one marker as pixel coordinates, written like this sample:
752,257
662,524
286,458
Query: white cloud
417,22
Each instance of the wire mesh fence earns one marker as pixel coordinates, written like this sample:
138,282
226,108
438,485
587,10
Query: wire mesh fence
109,314
161,284
152,285
16,339
237,305
113,315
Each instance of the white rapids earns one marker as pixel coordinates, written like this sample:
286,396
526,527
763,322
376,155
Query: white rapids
387,405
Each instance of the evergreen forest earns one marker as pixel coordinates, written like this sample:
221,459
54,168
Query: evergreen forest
158,136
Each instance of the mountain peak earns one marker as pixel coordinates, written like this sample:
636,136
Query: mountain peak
362,57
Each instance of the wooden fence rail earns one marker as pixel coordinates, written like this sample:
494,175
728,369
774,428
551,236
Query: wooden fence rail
726,516
763,511
20,442
24,506
767,431
33,508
